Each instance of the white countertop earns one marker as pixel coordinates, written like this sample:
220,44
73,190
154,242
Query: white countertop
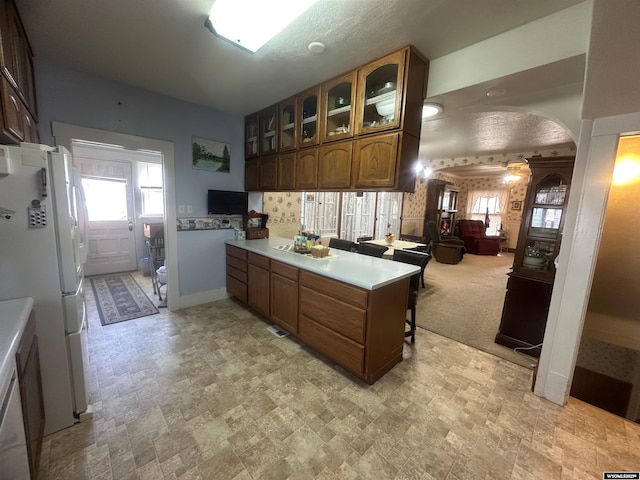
356,269
13,318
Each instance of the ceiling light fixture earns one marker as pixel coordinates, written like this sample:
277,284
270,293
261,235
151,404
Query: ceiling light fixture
252,23
513,174
431,110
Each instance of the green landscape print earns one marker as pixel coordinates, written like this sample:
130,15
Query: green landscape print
211,155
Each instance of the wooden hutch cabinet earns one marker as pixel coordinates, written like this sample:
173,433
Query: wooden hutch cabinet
442,206
526,304
18,112
366,123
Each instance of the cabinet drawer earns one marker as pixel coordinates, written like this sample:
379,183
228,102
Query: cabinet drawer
334,314
237,288
335,289
343,351
285,270
237,274
236,252
237,263
258,260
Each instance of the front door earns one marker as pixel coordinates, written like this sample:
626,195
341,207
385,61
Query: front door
108,188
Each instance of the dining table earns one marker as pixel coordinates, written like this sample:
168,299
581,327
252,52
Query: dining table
396,245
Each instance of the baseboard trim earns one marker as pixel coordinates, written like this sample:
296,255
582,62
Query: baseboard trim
199,298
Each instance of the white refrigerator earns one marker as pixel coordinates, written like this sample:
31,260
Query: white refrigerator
43,245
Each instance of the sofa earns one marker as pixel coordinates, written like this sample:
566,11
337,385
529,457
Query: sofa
476,241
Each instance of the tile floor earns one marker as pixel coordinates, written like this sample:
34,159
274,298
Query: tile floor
208,393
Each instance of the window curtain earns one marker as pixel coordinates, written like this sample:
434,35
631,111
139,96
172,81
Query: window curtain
488,206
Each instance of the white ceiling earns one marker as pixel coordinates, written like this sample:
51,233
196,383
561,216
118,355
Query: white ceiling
163,46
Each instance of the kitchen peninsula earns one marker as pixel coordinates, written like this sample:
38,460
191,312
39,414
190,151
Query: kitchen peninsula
347,306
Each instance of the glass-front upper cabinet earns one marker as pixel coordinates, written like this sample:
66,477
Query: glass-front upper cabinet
251,144
288,120
379,96
269,130
543,219
338,97
308,107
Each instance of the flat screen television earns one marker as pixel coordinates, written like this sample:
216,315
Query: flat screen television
221,202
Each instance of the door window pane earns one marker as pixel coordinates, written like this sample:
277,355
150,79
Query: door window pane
106,199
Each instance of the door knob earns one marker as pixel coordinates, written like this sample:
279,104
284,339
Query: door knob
131,226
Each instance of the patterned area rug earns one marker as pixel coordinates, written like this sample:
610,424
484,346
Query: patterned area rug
120,298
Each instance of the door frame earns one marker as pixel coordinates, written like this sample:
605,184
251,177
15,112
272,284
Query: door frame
592,174
64,133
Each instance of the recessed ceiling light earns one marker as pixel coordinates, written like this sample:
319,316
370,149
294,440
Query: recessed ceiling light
431,110
316,47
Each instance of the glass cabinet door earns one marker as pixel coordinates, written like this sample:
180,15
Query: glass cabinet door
251,136
379,98
308,103
546,217
338,97
268,130
288,129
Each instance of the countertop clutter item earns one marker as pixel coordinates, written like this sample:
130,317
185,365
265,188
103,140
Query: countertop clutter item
319,251
43,250
255,225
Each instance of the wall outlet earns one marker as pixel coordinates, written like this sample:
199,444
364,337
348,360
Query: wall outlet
189,208
180,208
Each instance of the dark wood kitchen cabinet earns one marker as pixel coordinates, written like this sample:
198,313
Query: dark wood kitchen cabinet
30,382
530,284
377,99
284,296
307,169
258,285
237,272
18,114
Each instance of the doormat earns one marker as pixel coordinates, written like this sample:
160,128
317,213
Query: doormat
120,298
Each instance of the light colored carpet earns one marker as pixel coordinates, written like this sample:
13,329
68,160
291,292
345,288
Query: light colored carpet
464,302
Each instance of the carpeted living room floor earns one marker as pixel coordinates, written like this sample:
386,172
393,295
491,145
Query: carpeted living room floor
464,303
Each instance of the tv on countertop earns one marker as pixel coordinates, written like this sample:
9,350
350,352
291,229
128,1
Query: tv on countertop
222,202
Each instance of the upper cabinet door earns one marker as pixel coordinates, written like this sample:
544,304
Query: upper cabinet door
309,109
338,97
269,130
288,124
251,136
380,94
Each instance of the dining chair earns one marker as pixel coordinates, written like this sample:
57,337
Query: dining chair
340,244
372,249
412,258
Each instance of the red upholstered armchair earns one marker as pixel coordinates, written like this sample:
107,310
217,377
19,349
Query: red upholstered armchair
472,232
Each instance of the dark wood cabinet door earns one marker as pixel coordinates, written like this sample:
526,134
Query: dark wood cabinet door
252,175
258,288
284,300
374,164
287,171
268,173
307,169
334,165
30,382
12,113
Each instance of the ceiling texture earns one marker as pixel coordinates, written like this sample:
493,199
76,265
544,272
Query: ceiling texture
162,46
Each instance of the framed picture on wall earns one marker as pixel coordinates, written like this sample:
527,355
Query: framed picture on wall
211,155
516,205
